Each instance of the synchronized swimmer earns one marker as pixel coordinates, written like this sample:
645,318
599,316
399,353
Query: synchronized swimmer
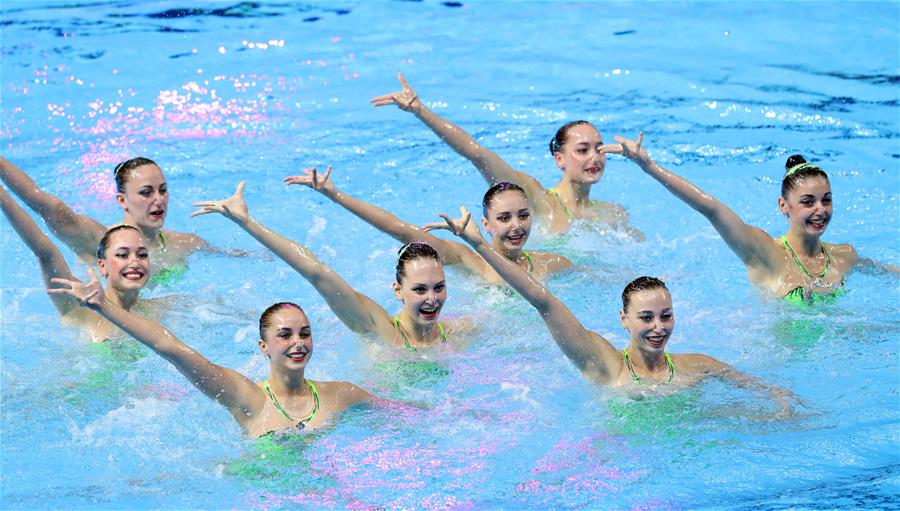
798,267
507,219
577,149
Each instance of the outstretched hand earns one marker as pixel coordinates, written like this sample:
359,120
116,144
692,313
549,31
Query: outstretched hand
312,180
88,295
463,226
631,149
234,208
406,99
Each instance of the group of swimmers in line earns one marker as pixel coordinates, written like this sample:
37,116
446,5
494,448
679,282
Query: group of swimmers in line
797,266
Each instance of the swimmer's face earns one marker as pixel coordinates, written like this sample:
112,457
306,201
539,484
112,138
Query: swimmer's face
581,156
508,220
146,197
649,318
126,264
287,339
423,291
808,205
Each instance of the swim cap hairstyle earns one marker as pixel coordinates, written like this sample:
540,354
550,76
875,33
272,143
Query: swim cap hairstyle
411,252
640,284
796,170
559,139
266,318
104,241
497,189
123,170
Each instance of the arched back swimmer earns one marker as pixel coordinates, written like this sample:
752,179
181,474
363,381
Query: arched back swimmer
420,284
577,149
798,266
143,195
507,218
122,258
285,401
647,313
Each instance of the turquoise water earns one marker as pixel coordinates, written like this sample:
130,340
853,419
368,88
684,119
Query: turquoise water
221,92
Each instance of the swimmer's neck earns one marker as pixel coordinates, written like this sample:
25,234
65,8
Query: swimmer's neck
419,334
123,299
512,254
649,361
571,191
291,383
804,244
149,234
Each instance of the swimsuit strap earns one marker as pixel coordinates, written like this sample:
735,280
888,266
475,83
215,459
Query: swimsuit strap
162,240
302,423
527,257
396,321
800,265
555,194
635,377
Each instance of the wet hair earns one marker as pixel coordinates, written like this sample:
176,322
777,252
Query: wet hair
640,284
559,139
123,170
411,252
796,170
104,241
497,189
265,319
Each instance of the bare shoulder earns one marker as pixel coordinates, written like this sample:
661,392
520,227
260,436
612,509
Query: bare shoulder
184,241
341,394
697,363
844,254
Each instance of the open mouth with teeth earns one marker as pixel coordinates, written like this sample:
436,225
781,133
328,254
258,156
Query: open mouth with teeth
157,214
298,356
593,170
429,312
134,275
818,223
516,238
657,341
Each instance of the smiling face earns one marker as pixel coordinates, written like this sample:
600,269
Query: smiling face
580,157
808,205
649,318
145,199
126,261
508,220
422,290
287,338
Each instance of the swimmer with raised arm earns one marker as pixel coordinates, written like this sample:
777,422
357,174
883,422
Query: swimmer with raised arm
577,149
507,218
143,195
420,284
285,401
798,266
122,259
646,313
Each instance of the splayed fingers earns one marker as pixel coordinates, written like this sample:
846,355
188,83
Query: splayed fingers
311,179
406,99
233,207
89,294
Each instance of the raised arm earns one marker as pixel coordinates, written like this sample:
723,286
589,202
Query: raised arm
590,352
451,252
53,264
240,395
752,245
354,309
79,232
492,168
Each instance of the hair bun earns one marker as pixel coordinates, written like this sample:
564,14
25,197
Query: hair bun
793,161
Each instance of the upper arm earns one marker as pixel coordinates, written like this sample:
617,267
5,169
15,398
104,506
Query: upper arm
591,353
751,244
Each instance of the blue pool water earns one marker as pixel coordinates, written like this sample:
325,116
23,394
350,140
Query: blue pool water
219,92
